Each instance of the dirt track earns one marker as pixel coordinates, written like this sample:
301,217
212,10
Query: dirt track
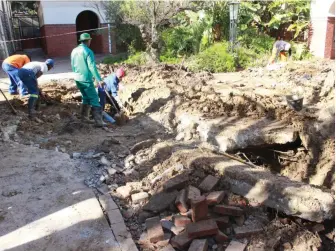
177,111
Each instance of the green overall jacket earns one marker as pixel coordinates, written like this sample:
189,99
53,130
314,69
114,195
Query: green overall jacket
84,65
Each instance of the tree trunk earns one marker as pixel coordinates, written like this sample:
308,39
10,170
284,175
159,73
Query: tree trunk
154,45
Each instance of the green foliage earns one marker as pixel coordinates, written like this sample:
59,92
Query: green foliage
116,59
250,58
300,51
139,58
177,41
259,43
216,58
170,60
128,36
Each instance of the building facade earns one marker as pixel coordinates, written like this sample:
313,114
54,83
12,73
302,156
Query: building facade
322,30
62,22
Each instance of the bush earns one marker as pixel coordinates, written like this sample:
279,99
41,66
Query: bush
259,43
216,58
115,59
249,58
170,60
300,51
139,58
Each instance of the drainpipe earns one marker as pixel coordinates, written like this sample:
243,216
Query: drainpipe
109,38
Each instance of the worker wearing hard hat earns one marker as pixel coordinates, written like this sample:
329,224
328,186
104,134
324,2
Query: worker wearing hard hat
282,50
29,74
11,66
83,64
112,85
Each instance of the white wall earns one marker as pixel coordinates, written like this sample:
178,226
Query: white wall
319,12
62,12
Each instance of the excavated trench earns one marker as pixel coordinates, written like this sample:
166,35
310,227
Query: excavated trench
179,125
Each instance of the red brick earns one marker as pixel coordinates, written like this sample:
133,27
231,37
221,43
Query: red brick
329,50
202,228
246,231
236,246
221,237
199,209
176,183
181,201
199,245
193,193
181,241
222,222
228,210
215,197
181,221
154,229
240,220
208,183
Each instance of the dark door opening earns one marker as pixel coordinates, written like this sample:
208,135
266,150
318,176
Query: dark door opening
88,20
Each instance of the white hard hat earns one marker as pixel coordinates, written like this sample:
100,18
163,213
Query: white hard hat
287,47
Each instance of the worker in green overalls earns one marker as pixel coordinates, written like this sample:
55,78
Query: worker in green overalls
84,65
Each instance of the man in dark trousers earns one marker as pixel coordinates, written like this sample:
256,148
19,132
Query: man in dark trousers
84,65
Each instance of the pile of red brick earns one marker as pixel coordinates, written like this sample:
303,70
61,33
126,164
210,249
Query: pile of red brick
202,215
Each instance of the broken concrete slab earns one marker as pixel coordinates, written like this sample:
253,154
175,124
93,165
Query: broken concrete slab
208,184
139,197
161,201
176,183
260,186
238,134
236,246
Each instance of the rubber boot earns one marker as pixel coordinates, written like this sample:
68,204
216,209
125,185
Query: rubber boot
31,107
85,114
97,116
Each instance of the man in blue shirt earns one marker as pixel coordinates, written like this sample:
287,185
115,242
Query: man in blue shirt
112,87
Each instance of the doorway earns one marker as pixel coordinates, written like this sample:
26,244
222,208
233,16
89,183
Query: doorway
88,20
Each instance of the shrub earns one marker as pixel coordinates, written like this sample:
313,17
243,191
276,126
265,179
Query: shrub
116,59
300,51
249,58
216,58
139,58
259,43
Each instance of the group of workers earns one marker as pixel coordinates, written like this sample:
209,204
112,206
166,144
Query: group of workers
23,74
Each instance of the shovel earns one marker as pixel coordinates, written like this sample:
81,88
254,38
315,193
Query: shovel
120,117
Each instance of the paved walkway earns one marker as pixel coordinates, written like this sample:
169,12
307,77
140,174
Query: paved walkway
44,205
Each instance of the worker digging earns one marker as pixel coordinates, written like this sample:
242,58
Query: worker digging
29,74
11,66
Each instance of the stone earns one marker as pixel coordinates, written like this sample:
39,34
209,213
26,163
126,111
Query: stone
181,241
143,215
193,193
236,246
181,221
247,231
76,155
208,184
287,246
181,201
160,202
202,228
199,245
154,229
143,238
318,228
165,241
176,183
215,197
199,209
228,210
139,197
221,237
141,145
124,191
222,222
111,171
240,220
104,161
167,248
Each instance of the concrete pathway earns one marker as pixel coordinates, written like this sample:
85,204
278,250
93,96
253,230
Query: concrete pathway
44,205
